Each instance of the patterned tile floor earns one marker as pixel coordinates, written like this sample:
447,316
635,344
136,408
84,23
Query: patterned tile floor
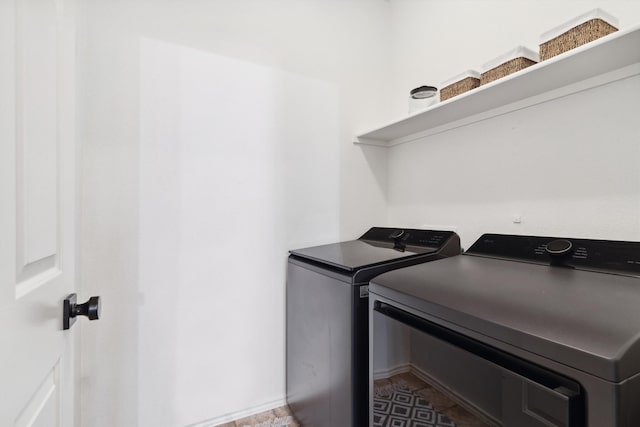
283,417
401,407
439,401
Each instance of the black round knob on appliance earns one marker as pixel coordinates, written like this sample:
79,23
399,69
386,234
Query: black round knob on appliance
397,234
91,309
559,247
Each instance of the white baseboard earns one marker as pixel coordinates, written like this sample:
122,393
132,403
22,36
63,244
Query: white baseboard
241,414
389,372
422,375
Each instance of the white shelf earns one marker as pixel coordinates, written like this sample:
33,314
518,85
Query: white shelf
610,58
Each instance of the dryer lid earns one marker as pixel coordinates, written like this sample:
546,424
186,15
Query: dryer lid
584,319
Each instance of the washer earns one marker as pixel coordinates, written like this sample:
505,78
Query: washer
327,318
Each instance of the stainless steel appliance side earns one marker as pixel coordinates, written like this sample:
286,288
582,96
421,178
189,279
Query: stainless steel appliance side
319,346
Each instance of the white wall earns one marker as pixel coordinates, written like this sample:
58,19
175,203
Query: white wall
215,136
567,167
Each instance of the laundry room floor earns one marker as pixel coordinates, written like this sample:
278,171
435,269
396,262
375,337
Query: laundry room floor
279,417
392,398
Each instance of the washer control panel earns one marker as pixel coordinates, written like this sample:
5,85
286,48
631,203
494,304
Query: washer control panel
408,236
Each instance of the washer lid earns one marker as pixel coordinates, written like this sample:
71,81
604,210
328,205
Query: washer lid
376,246
356,254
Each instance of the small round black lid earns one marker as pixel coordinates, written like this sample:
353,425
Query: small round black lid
423,92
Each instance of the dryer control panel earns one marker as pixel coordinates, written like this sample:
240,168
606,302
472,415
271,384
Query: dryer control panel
586,254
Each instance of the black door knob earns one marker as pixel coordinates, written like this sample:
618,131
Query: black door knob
91,309
71,309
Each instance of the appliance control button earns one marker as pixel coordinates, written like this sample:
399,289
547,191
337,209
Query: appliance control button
559,247
397,234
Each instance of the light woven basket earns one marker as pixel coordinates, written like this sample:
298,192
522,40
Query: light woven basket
459,87
505,69
577,36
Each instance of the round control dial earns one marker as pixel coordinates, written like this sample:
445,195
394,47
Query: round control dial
397,234
559,247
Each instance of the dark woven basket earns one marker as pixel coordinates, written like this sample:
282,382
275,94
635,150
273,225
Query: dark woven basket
459,87
505,69
577,36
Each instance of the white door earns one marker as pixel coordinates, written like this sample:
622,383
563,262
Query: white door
37,172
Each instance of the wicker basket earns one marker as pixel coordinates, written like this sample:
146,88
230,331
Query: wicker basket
509,63
459,84
581,30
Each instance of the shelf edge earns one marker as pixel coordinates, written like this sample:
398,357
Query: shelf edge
370,141
593,82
